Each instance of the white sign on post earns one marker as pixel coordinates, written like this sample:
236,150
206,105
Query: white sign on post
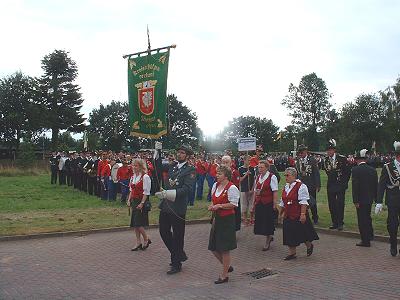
247,144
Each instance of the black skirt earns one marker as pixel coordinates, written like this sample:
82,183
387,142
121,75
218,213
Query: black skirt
138,217
264,219
238,217
295,233
222,234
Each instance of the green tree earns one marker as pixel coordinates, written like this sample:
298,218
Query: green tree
60,95
20,110
365,116
308,105
390,99
26,156
264,130
182,123
109,129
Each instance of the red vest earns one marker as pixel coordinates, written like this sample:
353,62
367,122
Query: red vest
265,196
291,202
222,199
136,189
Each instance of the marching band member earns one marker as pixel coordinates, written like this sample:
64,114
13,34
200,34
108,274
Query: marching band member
266,196
225,197
105,174
308,173
173,207
247,175
140,186
389,182
297,226
338,172
123,175
227,161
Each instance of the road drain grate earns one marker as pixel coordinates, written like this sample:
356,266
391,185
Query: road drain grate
261,273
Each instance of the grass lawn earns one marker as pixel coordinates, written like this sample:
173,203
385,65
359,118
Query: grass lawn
30,204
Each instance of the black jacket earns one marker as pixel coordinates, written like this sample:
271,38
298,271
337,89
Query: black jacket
338,174
386,184
181,180
364,180
308,173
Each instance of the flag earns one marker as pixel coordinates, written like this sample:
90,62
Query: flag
147,93
85,140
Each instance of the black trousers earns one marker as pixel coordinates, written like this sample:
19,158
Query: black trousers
69,178
84,182
393,223
77,180
62,177
172,231
97,187
313,208
365,222
91,184
54,173
336,207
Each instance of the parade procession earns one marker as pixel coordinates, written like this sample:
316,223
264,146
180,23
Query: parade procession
219,167
240,186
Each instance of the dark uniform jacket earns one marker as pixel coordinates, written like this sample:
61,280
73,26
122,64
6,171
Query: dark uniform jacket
54,162
364,179
308,172
389,182
338,173
182,180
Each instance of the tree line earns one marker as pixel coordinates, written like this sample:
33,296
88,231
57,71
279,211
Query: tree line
30,106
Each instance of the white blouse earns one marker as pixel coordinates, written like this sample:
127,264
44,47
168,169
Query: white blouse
274,181
233,194
303,197
146,182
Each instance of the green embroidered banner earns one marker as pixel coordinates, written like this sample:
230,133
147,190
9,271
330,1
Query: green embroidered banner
147,92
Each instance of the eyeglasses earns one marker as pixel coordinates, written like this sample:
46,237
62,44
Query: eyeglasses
286,175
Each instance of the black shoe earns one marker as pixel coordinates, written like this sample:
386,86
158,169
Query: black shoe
266,248
393,250
174,270
290,257
310,250
219,281
230,270
147,245
184,257
340,227
333,226
363,244
139,247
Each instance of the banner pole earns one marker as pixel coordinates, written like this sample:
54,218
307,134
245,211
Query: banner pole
148,51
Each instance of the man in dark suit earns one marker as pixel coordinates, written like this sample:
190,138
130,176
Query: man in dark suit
338,171
173,206
365,186
389,182
308,173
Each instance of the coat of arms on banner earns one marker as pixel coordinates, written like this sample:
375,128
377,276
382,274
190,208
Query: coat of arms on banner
146,96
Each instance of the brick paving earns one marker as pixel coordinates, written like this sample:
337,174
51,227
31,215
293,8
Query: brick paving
101,266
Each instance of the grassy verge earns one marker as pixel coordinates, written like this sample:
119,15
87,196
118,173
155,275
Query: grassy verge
30,204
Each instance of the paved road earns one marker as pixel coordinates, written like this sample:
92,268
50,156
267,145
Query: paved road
101,266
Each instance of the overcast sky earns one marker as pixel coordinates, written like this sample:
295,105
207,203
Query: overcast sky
232,58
